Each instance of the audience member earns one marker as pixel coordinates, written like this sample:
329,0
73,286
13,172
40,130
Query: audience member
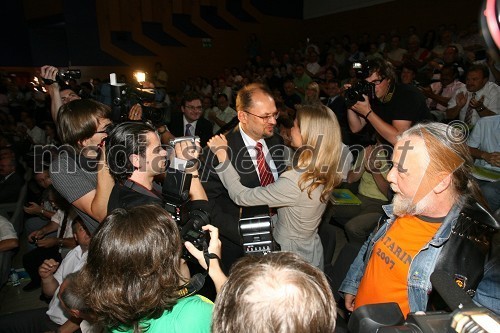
371,169
11,179
439,93
479,98
312,94
278,292
300,194
133,287
301,80
190,122
52,275
435,194
395,109
484,145
222,114
257,114
8,241
50,247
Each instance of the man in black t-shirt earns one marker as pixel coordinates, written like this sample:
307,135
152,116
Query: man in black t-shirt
396,107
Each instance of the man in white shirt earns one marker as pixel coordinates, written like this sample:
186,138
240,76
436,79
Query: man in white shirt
222,114
479,98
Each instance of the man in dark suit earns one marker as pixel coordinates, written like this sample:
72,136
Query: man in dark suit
190,121
257,114
11,179
336,103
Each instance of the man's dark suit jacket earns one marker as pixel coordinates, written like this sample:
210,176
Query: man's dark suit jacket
224,212
204,128
10,188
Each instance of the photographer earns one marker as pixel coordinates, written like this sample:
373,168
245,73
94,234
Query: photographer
394,107
135,157
61,94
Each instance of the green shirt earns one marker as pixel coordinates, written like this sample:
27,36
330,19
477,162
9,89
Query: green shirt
190,314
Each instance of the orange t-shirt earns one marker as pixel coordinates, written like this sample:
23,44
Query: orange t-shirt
386,275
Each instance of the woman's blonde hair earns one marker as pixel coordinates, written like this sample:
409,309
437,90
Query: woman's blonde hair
321,149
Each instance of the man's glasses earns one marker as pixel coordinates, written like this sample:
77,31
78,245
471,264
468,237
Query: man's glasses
194,108
379,81
265,118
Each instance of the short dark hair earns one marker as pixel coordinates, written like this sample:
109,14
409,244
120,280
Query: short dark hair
123,141
480,68
383,68
262,291
190,96
78,120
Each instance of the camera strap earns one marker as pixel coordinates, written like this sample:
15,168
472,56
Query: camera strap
140,189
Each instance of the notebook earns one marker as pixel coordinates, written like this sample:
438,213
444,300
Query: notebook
342,196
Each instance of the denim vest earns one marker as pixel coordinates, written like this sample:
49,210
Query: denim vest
421,267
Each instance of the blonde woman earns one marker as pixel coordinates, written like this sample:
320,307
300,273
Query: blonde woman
301,193
312,94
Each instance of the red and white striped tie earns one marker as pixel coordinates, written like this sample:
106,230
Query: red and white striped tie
266,176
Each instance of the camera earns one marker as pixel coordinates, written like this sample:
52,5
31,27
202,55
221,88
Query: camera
355,93
190,221
63,76
193,139
125,96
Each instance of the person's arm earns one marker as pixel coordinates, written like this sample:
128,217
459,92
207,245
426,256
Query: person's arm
283,192
95,202
188,151
46,272
9,244
492,158
214,247
374,165
51,226
36,209
71,325
356,122
481,109
442,100
50,72
165,135
454,111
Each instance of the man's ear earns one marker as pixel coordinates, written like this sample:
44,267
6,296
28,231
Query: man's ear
74,313
444,183
242,117
135,160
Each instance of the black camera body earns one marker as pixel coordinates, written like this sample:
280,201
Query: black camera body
63,76
175,201
356,92
124,97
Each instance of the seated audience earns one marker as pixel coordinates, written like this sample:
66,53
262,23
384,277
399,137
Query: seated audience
11,178
222,114
8,241
434,194
52,274
479,98
484,146
278,292
50,247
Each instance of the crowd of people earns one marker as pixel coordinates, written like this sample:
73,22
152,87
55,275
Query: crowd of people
408,124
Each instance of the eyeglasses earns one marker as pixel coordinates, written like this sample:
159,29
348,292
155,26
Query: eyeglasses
379,81
194,108
265,118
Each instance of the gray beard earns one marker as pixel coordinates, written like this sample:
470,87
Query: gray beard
404,206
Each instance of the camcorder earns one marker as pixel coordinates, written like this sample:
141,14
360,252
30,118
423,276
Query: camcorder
466,317
63,76
355,93
125,96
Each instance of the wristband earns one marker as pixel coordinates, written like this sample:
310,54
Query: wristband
61,242
366,117
42,211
